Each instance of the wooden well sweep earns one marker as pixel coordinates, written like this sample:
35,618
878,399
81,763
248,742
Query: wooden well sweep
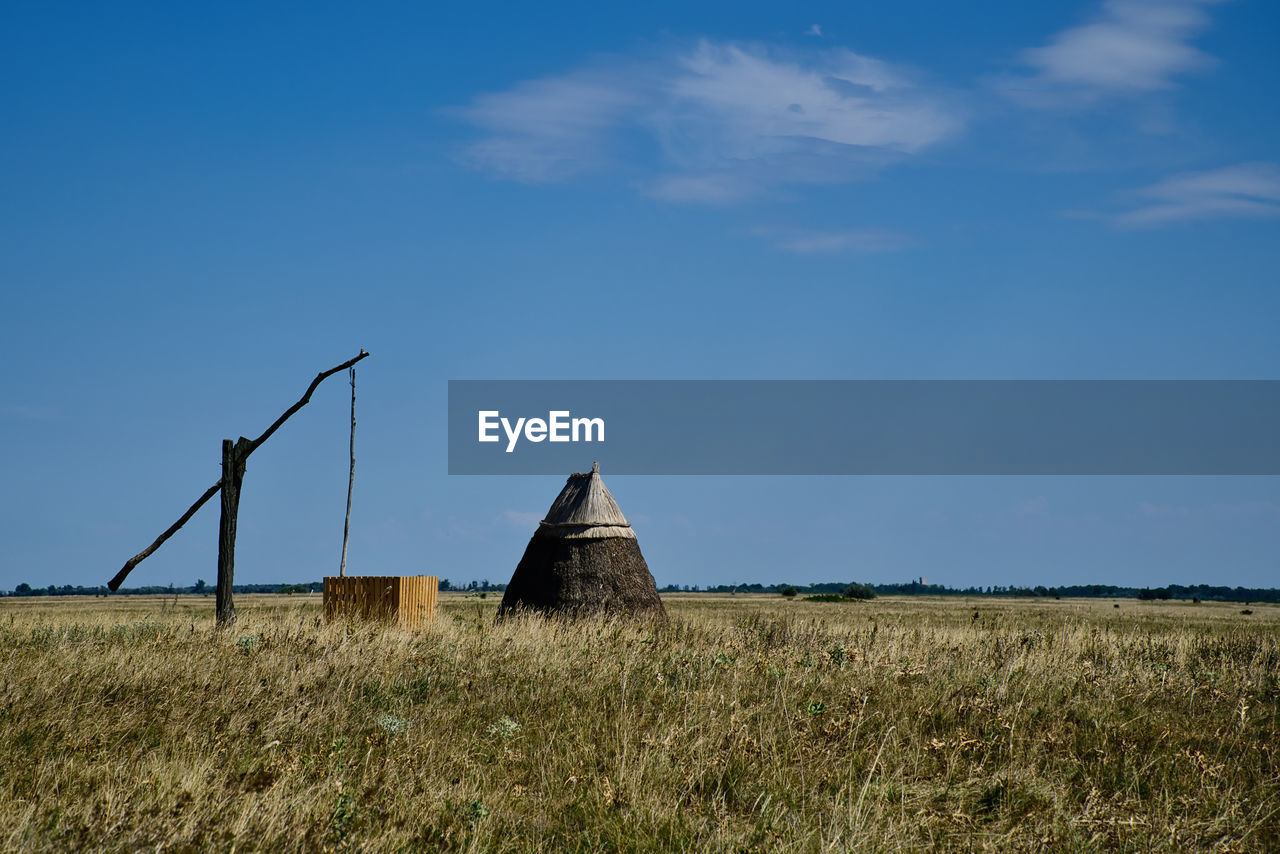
405,600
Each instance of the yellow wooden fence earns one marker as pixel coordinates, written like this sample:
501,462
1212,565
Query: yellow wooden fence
402,599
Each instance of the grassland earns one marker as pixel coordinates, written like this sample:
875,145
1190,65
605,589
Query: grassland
744,724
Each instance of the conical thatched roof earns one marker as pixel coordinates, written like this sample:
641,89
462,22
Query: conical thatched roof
585,509
583,558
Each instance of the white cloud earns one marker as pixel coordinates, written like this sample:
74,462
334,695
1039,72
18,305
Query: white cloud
713,188
549,129
749,105
1245,190
521,520
1131,47
811,242
814,30
723,121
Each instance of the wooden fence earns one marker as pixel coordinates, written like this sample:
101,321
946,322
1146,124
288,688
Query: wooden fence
402,599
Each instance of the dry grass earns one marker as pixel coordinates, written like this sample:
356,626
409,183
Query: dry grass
743,724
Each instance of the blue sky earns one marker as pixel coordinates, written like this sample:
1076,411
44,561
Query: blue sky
200,208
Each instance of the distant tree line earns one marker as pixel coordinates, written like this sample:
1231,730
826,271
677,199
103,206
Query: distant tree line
473,586
1198,592
199,588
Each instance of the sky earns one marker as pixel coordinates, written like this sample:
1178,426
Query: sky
203,206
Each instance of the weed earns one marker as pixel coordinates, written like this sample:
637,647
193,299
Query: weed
393,725
342,817
503,728
475,811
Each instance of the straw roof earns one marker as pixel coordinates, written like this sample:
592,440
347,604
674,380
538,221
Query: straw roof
585,509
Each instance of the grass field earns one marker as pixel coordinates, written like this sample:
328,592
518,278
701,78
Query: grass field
744,724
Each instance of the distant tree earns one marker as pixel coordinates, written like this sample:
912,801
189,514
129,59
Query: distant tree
858,591
22,589
788,591
200,586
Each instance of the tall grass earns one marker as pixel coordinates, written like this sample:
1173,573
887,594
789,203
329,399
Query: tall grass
743,724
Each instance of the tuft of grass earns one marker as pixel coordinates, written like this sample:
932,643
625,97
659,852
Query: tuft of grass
745,723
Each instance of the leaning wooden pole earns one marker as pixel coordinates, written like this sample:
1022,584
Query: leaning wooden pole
351,478
115,582
248,447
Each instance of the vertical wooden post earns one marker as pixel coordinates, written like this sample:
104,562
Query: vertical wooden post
232,476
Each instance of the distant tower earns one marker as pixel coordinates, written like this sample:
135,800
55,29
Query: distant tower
924,581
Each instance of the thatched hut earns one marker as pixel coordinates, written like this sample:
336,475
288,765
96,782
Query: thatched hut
583,559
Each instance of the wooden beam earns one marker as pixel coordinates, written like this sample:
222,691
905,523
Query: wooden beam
115,582
303,401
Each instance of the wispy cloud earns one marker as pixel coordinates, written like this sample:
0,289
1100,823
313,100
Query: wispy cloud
853,241
1245,190
726,121
1130,47
717,188
814,30
555,127
521,520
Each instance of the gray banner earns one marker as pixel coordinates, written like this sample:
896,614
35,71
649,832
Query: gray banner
870,427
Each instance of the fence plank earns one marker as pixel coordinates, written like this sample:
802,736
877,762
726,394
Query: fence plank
403,600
